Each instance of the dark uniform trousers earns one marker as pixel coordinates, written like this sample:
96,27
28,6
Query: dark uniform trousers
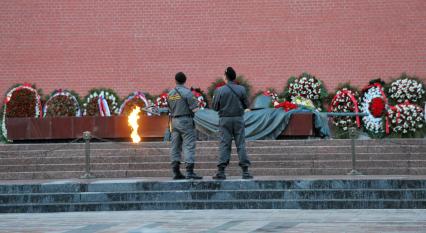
183,137
230,127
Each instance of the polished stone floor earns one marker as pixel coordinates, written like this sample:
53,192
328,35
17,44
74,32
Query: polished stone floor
211,221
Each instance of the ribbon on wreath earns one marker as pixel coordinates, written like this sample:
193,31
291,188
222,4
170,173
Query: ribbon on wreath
103,106
354,101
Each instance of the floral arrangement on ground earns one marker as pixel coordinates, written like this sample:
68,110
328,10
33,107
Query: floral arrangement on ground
345,100
92,102
201,97
22,100
62,103
306,86
406,120
405,88
373,103
161,100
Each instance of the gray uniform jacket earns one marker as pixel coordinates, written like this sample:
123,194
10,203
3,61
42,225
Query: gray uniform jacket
227,103
178,106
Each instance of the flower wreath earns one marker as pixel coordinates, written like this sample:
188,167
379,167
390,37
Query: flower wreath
16,104
306,86
406,88
201,97
373,103
240,80
97,98
161,100
62,103
406,120
136,98
345,100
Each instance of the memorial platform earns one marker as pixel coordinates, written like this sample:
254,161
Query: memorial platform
289,174
310,192
269,158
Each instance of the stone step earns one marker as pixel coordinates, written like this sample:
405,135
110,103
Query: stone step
76,159
311,142
212,195
314,164
209,172
262,183
240,204
215,151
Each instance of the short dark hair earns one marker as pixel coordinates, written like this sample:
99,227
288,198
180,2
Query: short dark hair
230,74
180,78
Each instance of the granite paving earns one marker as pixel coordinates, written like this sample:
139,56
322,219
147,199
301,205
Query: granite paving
215,221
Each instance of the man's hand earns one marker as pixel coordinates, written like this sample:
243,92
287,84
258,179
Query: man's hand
247,110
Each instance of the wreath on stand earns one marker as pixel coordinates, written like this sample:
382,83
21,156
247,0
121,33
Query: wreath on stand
373,103
161,101
406,88
201,97
62,103
100,102
345,99
22,100
306,86
135,99
406,120
240,80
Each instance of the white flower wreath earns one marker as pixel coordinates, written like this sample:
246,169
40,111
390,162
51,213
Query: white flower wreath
371,123
406,89
406,118
107,95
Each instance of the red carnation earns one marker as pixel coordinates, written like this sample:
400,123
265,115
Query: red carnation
377,107
287,106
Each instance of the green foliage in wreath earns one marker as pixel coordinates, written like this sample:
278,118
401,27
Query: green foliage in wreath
90,105
306,86
240,80
62,105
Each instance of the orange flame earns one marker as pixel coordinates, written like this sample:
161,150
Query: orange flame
133,122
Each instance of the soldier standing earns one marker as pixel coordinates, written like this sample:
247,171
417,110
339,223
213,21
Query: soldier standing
231,102
182,106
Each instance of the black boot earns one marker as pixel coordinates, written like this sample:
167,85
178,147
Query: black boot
176,171
220,175
246,173
190,172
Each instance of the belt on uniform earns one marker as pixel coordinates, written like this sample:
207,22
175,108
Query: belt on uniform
186,115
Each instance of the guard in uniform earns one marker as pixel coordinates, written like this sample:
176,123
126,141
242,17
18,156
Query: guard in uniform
231,102
182,106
